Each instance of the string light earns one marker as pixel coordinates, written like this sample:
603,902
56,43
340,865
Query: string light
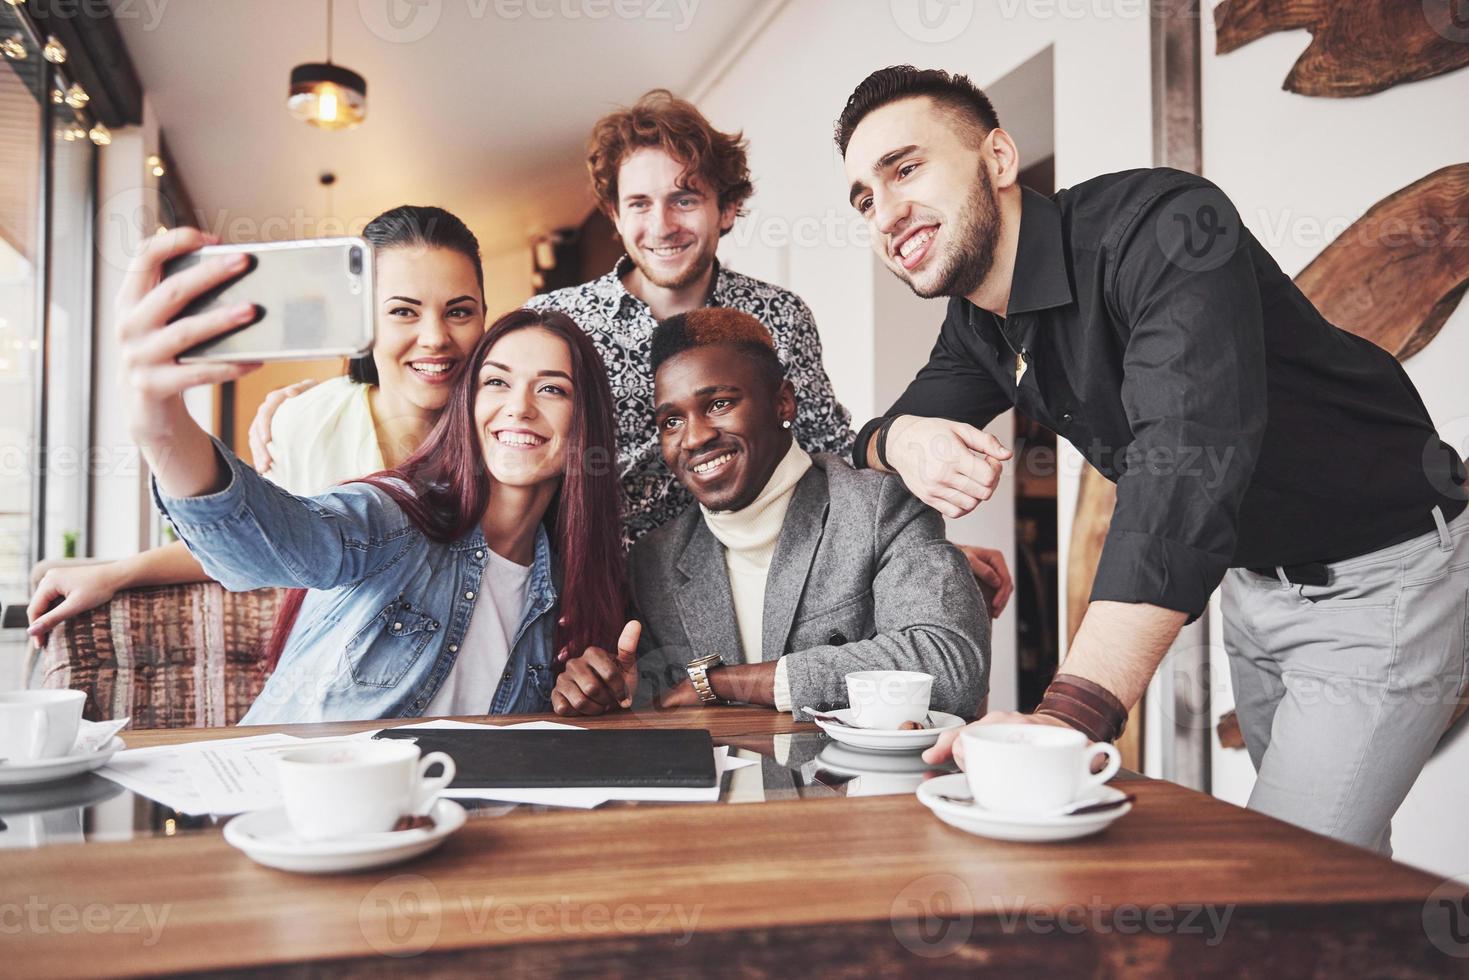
155,165
76,96
100,135
13,47
54,51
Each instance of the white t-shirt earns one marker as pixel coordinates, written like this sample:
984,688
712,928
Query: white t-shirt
479,667
323,436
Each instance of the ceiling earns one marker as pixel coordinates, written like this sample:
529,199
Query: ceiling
480,106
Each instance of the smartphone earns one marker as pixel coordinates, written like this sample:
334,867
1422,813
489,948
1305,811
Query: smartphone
314,300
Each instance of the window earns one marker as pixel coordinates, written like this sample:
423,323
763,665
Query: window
47,191
22,82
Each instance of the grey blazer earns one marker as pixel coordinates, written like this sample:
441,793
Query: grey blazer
862,579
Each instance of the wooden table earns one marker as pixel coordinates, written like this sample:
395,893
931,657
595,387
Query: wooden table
1184,885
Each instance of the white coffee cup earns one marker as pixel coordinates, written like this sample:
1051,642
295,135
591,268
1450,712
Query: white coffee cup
345,789
1033,769
884,699
39,724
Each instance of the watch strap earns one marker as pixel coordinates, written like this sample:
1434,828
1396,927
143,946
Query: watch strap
699,676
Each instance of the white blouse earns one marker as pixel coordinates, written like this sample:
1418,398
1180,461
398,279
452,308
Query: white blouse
323,436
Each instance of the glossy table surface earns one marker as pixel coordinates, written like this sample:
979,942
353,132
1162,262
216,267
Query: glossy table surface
814,876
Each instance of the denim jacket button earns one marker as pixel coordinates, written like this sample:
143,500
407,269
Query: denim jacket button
453,648
469,595
397,627
479,554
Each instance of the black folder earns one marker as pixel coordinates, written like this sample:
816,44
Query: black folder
566,759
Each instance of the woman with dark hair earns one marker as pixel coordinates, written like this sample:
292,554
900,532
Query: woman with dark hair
430,588
430,312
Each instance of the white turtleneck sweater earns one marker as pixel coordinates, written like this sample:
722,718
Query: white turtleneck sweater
749,536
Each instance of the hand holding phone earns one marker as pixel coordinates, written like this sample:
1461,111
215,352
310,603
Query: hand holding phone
313,299
152,334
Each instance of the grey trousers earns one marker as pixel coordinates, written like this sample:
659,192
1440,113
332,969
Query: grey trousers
1343,690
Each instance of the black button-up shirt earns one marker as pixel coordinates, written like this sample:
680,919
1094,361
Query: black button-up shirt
1161,339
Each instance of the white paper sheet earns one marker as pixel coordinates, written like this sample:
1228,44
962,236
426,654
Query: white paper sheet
229,775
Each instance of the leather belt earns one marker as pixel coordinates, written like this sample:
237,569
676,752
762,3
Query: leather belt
1316,572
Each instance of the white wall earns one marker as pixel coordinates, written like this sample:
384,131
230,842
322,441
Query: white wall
785,91
1300,170
507,281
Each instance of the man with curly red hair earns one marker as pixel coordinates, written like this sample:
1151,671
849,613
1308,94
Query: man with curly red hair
673,185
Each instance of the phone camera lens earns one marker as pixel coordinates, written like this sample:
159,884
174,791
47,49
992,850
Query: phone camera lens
354,261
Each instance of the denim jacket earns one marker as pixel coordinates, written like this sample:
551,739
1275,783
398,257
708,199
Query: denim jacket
388,607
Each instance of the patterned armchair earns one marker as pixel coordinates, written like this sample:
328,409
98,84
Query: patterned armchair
177,656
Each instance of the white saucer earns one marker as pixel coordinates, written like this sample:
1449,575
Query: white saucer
888,740
266,837
48,770
1013,826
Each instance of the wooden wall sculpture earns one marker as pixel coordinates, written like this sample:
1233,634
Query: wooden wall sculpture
1397,273
1357,46
1393,278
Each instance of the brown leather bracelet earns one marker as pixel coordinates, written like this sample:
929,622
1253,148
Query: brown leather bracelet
1086,706
1099,708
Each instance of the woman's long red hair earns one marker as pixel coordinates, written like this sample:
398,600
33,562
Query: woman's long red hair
450,489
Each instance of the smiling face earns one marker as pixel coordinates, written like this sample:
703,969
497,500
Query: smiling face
719,424
671,231
922,184
524,406
429,316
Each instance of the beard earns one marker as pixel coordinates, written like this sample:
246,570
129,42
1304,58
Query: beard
971,253
700,263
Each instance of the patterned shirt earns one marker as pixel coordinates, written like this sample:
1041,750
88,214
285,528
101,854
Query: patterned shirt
621,325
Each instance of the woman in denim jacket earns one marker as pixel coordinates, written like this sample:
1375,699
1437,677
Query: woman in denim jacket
517,474
428,285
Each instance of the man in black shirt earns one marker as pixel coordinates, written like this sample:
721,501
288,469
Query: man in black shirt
1136,316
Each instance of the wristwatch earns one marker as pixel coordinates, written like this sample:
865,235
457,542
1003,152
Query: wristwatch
699,677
